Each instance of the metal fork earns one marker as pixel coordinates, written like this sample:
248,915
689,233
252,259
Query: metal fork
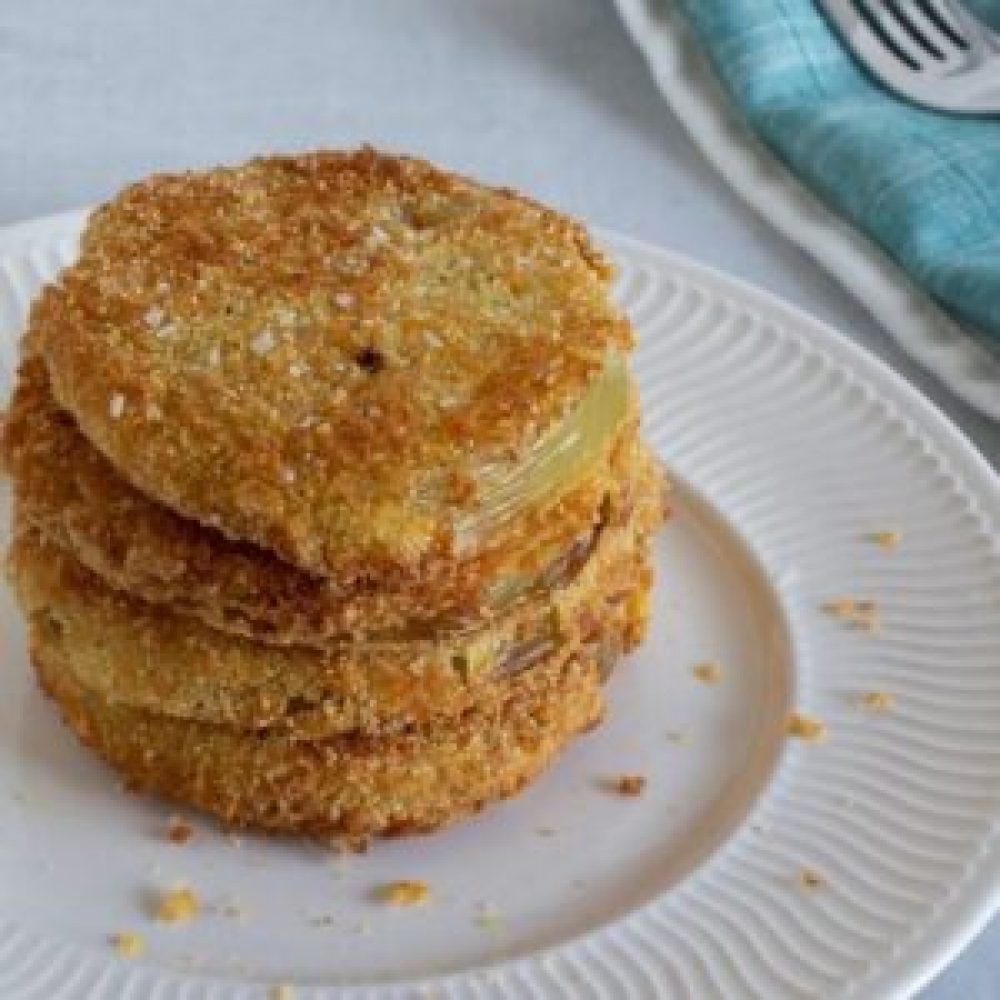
933,52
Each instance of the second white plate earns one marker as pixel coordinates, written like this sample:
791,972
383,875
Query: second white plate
969,367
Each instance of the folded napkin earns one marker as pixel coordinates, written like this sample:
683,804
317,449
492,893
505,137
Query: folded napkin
923,185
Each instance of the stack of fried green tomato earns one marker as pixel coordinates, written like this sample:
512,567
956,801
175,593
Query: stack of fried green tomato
331,509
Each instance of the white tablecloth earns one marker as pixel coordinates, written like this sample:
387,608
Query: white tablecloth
548,97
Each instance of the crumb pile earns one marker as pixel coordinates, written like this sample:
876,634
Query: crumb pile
331,508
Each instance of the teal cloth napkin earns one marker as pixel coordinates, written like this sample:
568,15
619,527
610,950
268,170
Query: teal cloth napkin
924,185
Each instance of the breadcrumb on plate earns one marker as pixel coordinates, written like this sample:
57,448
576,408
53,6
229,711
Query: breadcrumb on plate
179,831
810,879
128,944
877,701
863,614
889,539
405,892
630,785
806,727
178,906
707,672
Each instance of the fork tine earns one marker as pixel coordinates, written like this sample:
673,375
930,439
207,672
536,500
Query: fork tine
893,33
940,14
898,50
931,27
903,15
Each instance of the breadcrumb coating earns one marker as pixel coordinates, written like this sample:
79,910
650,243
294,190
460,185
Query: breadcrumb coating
349,786
68,491
331,508
150,657
309,351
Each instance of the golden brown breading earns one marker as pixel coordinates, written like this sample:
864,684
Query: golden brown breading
331,507
146,656
68,491
352,786
334,355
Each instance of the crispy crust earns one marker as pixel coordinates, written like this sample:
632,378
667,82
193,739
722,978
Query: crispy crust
350,786
322,353
130,652
69,492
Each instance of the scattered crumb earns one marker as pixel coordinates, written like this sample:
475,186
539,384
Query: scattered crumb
363,927
545,831
839,607
282,992
877,701
810,879
405,892
179,831
866,616
323,920
676,736
116,406
234,840
707,673
861,614
806,727
177,906
630,784
885,539
128,944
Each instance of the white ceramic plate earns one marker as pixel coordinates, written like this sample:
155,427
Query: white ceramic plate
788,446
965,363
